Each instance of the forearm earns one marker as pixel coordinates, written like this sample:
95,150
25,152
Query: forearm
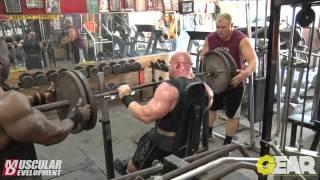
137,110
251,67
58,131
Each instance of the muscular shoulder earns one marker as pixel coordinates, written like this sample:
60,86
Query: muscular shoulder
13,106
166,92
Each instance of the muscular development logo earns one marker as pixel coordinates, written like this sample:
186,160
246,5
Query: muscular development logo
32,168
291,165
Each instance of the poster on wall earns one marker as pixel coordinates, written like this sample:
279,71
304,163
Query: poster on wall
115,5
140,5
186,7
103,6
129,5
34,4
150,5
53,6
92,6
167,5
12,6
175,5
159,5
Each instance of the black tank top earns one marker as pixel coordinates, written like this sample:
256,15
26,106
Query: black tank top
170,121
16,150
31,47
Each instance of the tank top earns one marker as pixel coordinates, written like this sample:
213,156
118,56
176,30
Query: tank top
231,46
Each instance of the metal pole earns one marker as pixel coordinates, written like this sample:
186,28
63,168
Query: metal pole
251,87
213,164
300,140
231,168
273,38
288,84
106,130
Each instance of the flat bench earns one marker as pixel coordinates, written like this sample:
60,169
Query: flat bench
308,123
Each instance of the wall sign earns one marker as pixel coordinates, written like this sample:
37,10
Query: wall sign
12,6
53,6
35,4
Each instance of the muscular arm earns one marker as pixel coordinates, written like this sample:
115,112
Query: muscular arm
163,101
248,53
70,38
23,123
205,48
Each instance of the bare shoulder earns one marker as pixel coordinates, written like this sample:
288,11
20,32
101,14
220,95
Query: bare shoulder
167,92
13,106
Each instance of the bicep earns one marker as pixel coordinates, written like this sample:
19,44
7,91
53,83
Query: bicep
159,106
24,124
247,51
28,128
205,47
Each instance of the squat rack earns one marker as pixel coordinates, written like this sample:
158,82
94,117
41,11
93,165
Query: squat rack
272,58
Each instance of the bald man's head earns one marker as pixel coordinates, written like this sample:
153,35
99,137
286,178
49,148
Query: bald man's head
180,64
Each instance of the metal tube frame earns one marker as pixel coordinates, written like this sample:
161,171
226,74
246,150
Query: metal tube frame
213,164
106,130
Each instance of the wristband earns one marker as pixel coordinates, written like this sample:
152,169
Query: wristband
75,116
126,100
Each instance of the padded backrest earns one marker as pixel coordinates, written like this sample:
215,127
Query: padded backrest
188,135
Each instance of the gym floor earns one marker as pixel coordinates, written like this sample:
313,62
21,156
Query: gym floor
83,154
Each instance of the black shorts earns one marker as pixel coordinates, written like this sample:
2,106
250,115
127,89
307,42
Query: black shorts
229,100
147,152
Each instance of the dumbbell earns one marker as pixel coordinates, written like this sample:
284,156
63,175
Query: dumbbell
26,80
126,67
60,70
105,68
83,71
92,71
116,68
163,65
154,65
52,75
135,66
40,78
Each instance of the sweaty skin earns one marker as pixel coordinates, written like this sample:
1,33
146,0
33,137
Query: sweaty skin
164,100
21,122
165,97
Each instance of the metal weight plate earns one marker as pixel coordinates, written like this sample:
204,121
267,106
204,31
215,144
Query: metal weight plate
40,79
26,80
136,66
106,69
116,69
82,70
218,70
126,67
90,100
62,70
232,62
92,71
69,87
52,75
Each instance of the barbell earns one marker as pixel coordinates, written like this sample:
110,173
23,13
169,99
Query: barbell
72,85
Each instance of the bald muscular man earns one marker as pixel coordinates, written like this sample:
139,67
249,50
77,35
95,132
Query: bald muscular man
21,125
159,142
238,45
